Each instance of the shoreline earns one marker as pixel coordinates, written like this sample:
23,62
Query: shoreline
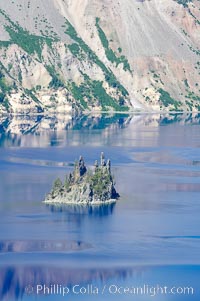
110,201
84,113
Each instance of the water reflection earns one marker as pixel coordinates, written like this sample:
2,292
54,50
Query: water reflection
43,131
82,210
15,279
20,283
191,118
80,215
44,246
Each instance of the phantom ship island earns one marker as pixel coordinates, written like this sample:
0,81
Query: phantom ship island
85,186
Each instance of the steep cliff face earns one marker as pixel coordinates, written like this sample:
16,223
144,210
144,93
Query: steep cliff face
66,56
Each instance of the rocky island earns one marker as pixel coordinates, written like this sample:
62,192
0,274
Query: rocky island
85,186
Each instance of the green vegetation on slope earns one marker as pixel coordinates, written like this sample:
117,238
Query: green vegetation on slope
89,90
99,181
3,86
30,43
94,91
109,76
110,54
168,100
76,51
79,93
193,96
5,44
57,185
4,89
183,2
56,82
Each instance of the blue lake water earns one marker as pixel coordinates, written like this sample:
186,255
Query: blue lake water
149,240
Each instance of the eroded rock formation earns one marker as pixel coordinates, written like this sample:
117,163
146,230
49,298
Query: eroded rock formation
85,186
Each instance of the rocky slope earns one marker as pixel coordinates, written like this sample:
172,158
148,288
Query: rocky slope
64,56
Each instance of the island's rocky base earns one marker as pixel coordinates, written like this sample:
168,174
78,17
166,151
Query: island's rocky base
85,186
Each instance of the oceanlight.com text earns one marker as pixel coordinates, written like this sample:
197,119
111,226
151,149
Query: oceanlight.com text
111,289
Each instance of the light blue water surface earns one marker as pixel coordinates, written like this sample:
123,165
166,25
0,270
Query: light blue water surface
150,237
